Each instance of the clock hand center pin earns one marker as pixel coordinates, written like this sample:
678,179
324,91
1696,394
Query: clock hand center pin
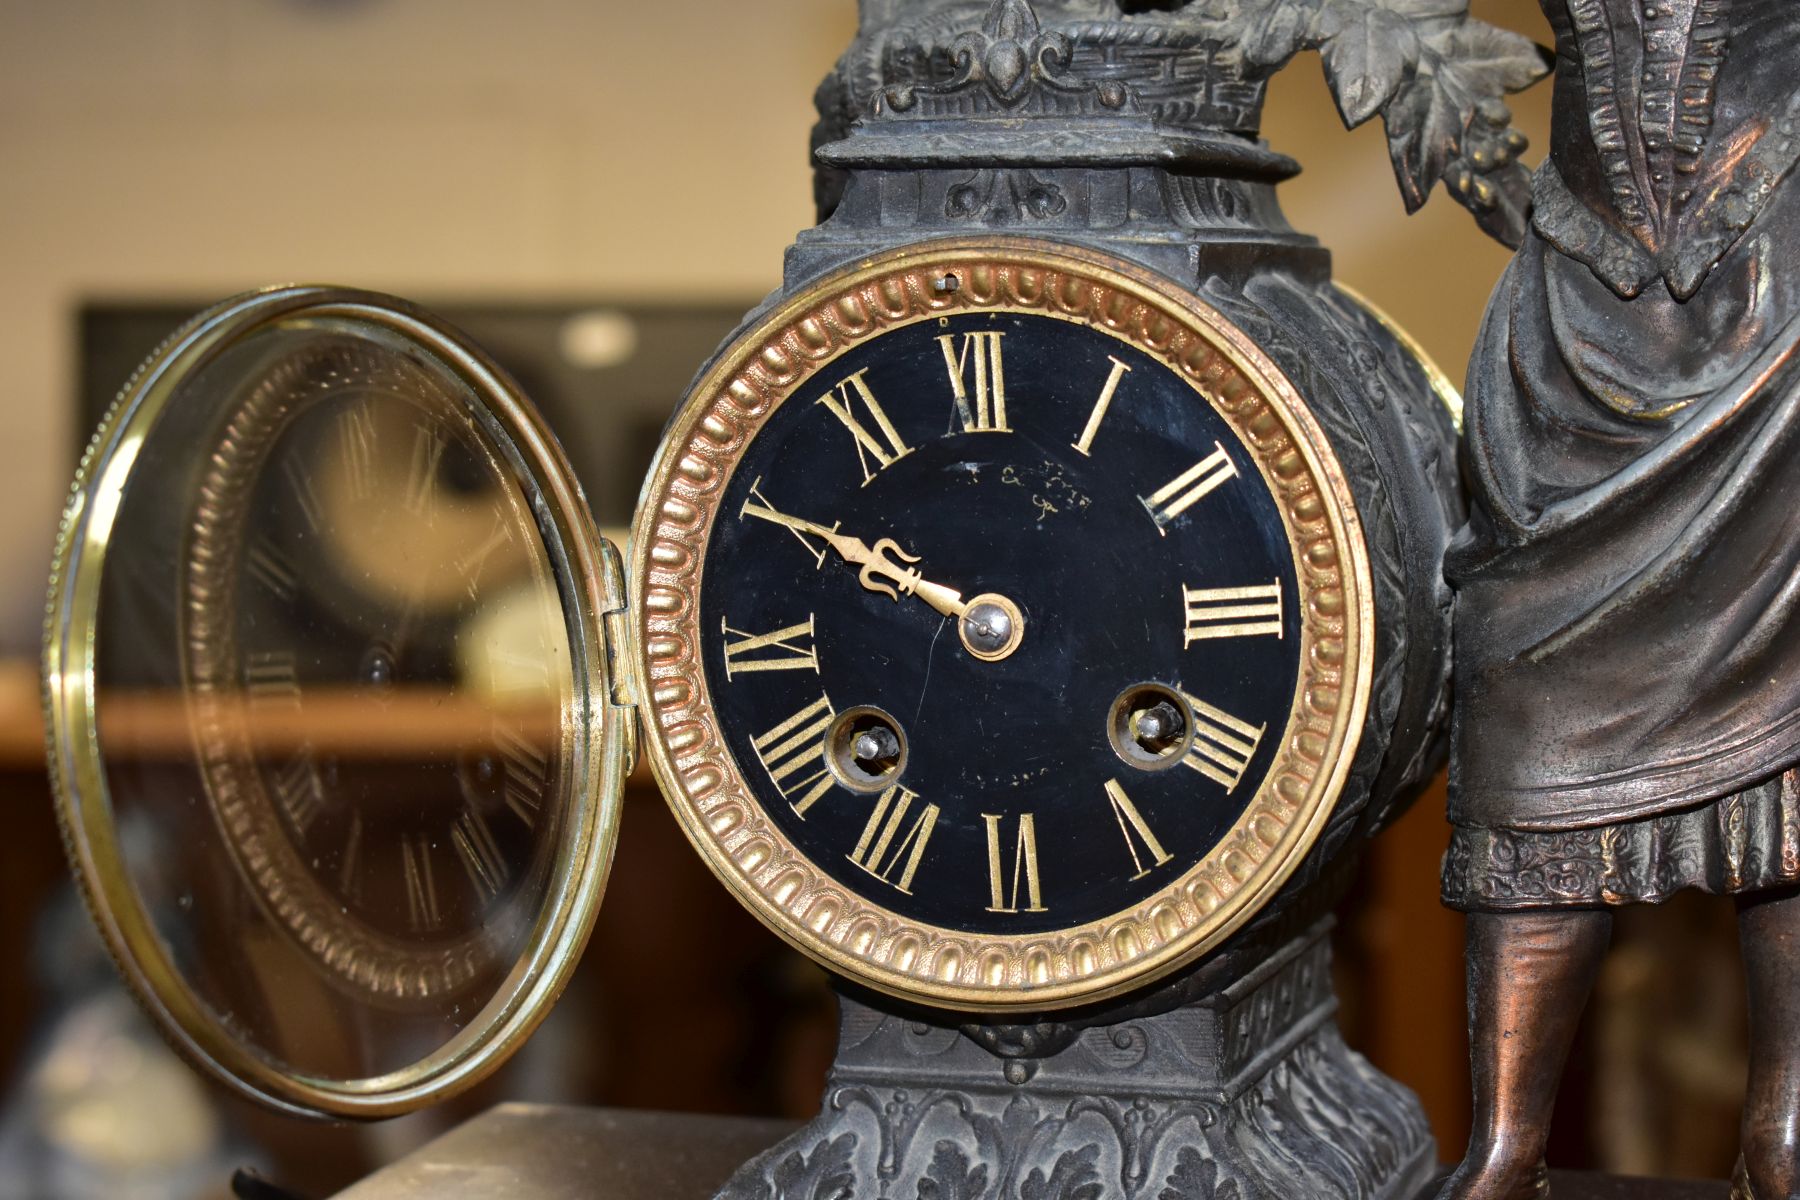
991,627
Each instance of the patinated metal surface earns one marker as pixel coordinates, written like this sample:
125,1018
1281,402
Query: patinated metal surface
1247,1092
1627,665
1624,630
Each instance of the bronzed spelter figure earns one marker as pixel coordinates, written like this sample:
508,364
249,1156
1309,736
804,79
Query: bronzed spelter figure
1627,634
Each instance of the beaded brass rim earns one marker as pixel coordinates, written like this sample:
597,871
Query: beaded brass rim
599,729
707,788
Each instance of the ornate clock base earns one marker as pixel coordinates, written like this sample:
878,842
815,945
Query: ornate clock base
1247,1093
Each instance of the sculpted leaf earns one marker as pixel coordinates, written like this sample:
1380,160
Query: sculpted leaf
1275,29
1491,61
1429,69
1425,129
1073,1178
1192,1178
1196,1177
824,1175
1368,56
949,1177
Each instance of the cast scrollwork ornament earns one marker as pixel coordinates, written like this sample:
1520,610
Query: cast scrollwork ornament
1009,56
1436,76
822,1174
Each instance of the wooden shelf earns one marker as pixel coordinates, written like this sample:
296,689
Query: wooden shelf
156,724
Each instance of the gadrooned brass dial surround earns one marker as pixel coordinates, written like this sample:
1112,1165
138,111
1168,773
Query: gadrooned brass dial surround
707,787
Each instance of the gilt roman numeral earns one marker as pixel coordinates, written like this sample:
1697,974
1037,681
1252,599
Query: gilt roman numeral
272,678
422,470
305,494
1223,745
1231,612
788,649
793,753
469,566
356,446
1136,833
842,404
527,769
1188,488
479,854
883,849
1004,898
1086,441
981,401
299,790
422,911
759,506
350,860
271,568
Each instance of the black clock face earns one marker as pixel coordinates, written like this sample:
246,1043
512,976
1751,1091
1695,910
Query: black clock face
1001,622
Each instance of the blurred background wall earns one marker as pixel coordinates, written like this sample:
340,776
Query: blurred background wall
524,148
530,150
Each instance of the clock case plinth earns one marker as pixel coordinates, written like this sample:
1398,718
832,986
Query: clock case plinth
1136,136
1247,1091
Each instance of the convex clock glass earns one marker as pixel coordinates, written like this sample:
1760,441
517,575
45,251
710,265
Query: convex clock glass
323,666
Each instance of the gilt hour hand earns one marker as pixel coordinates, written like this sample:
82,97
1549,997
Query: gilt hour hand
990,625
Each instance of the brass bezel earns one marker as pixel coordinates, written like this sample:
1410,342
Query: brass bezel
600,756
705,786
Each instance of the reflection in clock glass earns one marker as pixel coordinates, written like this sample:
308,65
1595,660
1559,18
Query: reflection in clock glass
336,696
1053,570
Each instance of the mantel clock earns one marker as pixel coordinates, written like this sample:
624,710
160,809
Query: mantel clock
1027,615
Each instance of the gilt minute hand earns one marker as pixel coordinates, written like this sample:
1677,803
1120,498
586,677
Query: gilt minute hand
882,569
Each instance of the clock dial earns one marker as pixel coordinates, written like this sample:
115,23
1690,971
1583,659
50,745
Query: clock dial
1113,726
333,739
1003,617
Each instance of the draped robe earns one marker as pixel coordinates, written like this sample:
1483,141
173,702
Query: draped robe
1628,588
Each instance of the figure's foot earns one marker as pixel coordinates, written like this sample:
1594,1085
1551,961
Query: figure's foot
1475,1180
1775,1176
